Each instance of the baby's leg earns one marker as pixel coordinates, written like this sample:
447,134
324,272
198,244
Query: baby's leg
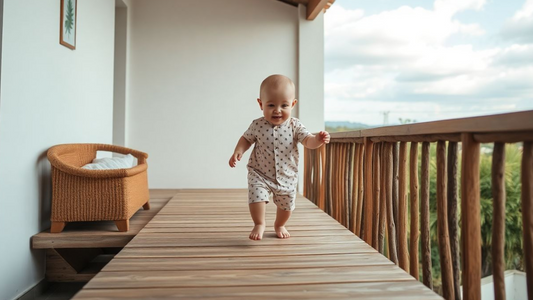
257,211
258,195
285,204
282,216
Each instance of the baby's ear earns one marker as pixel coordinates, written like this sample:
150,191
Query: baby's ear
294,102
260,103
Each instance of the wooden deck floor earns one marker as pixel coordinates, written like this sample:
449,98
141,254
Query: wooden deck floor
198,247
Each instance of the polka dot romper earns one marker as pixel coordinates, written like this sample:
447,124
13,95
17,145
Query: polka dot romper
273,164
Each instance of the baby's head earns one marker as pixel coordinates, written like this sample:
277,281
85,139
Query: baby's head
277,98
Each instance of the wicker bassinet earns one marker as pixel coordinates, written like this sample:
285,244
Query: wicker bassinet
95,195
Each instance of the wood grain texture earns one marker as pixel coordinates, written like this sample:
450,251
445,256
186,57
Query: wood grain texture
498,220
393,254
453,225
470,218
424,215
527,213
322,261
102,234
382,202
510,122
376,166
360,192
414,232
403,252
442,224
369,199
395,190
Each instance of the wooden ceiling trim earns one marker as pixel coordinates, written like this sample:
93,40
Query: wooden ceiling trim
314,7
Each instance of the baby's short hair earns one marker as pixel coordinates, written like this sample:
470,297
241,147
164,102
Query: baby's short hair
274,82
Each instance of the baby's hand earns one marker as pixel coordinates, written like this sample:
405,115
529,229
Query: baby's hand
323,137
234,158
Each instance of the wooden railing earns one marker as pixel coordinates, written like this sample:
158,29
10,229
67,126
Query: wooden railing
361,179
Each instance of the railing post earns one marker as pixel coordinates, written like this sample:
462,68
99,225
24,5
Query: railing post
527,214
376,195
452,218
402,209
424,213
360,192
442,224
413,170
498,220
369,145
382,202
470,219
390,216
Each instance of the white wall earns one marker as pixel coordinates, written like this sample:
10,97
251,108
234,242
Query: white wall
49,95
195,67
310,76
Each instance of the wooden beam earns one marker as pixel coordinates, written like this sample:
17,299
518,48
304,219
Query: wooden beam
314,7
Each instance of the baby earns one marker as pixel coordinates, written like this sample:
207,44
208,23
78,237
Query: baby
273,164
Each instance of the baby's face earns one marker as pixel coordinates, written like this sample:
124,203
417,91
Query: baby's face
277,106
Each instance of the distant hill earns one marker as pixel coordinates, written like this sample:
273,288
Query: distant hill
338,126
347,124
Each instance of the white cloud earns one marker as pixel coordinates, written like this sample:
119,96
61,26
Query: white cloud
451,7
520,26
399,61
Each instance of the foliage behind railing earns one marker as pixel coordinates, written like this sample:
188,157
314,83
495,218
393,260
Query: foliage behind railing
361,179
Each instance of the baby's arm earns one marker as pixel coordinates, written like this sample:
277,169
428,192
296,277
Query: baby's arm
241,147
314,141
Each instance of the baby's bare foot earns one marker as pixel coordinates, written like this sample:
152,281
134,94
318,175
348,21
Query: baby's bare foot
257,232
282,232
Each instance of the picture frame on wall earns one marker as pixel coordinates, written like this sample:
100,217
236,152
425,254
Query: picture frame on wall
67,35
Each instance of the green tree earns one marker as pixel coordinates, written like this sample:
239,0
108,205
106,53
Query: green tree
513,216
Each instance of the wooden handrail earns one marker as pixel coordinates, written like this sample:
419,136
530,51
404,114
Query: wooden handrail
366,180
518,121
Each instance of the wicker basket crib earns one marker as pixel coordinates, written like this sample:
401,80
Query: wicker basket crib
95,195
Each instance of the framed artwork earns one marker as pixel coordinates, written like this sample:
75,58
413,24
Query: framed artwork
67,35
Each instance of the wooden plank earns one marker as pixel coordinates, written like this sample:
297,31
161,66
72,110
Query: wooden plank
504,137
527,213
244,251
162,193
319,255
470,219
419,138
498,220
217,278
413,177
403,290
325,229
269,238
246,263
102,234
424,222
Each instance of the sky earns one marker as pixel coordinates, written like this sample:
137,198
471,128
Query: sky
427,60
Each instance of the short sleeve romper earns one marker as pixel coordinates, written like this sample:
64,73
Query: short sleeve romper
273,164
